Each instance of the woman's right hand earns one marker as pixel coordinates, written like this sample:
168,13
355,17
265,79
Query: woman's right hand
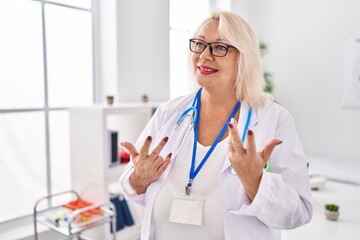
148,167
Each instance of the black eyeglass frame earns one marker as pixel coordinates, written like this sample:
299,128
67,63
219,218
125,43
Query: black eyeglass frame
210,47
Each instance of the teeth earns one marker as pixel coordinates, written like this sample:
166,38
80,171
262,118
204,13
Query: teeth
207,69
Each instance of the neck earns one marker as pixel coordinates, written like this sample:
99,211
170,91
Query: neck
215,110
222,100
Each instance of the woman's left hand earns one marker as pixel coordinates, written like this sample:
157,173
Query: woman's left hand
246,161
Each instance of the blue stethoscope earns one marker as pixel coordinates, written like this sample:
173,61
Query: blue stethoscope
195,108
192,108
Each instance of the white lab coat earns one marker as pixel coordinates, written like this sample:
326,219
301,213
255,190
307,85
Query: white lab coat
283,200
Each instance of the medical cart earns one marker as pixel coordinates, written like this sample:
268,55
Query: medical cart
71,227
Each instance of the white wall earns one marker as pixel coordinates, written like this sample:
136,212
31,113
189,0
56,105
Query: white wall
143,50
108,52
105,50
306,56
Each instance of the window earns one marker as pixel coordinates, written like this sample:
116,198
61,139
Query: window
69,56
20,45
185,16
22,161
46,66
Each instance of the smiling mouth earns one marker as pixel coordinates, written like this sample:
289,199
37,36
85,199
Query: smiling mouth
207,70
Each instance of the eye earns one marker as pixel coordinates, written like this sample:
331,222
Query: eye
199,44
221,48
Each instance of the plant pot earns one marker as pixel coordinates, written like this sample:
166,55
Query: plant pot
333,216
110,100
144,98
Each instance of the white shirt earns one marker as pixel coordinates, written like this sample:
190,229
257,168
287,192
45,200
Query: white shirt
205,183
283,200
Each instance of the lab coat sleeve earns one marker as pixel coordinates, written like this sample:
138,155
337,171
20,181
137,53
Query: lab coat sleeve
283,199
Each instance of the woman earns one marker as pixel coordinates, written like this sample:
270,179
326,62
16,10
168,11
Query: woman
239,171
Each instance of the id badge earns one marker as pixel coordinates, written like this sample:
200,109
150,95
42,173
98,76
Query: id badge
187,209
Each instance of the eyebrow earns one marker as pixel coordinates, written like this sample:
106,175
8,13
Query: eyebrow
218,39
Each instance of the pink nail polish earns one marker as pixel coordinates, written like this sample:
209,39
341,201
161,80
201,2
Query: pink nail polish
165,139
250,132
230,125
121,144
149,138
170,154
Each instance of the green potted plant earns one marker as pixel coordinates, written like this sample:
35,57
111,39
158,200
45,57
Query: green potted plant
269,86
331,211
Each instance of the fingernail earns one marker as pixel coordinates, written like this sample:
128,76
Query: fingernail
149,138
165,139
230,125
280,142
250,132
121,144
170,154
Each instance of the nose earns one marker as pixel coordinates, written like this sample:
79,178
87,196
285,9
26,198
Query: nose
206,55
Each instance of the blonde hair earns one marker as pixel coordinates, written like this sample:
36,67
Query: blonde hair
249,84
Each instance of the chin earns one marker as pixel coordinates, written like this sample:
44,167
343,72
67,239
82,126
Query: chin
205,79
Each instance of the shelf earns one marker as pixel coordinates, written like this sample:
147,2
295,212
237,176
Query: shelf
120,108
92,173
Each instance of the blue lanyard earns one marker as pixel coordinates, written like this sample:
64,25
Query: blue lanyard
193,172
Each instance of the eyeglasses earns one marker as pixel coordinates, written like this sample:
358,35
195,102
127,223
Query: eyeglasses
217,49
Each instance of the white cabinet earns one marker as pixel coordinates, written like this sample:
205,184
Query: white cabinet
93,175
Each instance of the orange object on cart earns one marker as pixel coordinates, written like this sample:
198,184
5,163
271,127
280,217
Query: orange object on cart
80,203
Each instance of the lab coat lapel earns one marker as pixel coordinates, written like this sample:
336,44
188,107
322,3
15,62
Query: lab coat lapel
244,111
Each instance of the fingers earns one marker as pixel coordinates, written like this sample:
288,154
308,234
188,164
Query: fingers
250,142
235,142
266,152
148,167
144,151
145,148
131,148
234,137
156,151
164,164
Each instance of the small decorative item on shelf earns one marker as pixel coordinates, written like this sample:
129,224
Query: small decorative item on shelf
144,98
110,99
332,211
